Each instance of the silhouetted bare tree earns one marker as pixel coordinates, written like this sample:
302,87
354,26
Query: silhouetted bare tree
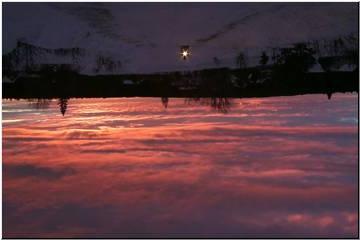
165,101
63,102
241,60
106,64
264,58
216,61
220,104
39,103
296,60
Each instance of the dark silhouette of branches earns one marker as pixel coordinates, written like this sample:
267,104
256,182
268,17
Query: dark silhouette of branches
39,103
264,58
241,60
63,103
165,101
219,104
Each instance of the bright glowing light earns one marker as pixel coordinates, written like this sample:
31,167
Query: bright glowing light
185,53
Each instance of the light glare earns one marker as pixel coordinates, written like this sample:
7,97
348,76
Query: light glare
185,53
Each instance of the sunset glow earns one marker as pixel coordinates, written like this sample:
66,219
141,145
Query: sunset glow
122,167
186,120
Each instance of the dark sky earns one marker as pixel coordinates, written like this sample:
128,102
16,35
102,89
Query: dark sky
147,36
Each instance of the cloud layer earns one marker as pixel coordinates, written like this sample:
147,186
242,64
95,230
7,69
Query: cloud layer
280,167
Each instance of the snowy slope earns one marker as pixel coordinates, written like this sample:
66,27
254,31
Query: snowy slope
146,37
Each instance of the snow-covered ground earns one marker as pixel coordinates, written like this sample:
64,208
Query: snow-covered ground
146,37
